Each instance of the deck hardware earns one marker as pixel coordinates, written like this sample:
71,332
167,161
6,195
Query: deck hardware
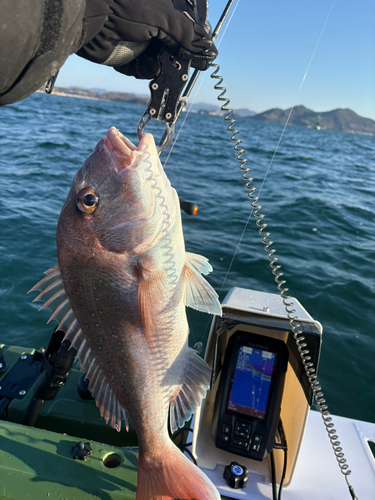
236,475
81,451
112,460
20,377
55,365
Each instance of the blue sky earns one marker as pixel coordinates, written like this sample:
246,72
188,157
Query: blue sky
266,51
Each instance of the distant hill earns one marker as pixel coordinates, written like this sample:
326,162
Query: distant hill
202,106
243,112
343,120
103,95
212,108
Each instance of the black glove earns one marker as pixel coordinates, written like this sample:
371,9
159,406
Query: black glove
148,25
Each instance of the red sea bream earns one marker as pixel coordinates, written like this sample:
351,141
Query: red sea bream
119,293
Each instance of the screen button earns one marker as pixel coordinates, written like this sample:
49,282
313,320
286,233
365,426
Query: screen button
227,429
241,434
257,438
225,438
242,429
241,443
255,447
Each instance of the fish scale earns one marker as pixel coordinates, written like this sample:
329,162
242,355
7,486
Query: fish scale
119,293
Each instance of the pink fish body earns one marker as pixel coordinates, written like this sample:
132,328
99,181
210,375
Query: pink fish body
119,292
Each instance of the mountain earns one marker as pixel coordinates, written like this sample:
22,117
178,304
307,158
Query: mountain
215,109
202,106
243,112
343,120
104,95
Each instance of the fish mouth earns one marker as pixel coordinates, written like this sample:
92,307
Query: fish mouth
123,152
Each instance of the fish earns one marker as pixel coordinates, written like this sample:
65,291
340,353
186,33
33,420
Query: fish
119,293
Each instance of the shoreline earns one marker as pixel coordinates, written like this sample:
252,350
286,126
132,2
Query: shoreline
76,96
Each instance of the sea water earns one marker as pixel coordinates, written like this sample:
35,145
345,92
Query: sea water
317,198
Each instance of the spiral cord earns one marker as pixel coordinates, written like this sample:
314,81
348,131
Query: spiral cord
280,282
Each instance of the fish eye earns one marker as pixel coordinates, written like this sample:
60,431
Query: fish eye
87,200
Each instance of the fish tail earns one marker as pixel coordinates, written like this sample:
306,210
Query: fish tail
173,478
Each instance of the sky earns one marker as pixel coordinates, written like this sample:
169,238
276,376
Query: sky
275,54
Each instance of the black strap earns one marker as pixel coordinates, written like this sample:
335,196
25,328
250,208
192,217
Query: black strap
36,37
52,17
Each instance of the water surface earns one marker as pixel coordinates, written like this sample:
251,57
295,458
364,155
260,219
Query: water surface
318,200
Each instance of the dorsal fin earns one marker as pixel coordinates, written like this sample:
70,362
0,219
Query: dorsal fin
193,390
199,294
54,296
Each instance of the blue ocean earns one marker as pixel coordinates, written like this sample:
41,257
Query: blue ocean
317,198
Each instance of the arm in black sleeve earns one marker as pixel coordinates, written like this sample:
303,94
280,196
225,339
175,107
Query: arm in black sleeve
127,34
36,37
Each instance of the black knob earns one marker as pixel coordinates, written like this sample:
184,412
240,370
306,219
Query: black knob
81,451
236,475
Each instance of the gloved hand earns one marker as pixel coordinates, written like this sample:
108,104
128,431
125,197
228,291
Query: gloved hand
148,25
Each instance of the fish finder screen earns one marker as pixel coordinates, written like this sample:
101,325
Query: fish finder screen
251,382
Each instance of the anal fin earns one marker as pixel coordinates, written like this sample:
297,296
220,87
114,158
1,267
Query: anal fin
193,390
105,398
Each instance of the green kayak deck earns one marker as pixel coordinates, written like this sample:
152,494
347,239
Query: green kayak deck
37,464
68,412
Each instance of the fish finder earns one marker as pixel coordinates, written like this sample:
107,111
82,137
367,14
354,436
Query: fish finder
248,400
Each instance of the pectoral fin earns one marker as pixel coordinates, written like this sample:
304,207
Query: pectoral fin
199,294
149,294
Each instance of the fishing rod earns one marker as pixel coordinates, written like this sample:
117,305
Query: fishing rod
197,72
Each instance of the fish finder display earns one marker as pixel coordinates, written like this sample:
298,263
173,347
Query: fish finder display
249,394
251,382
